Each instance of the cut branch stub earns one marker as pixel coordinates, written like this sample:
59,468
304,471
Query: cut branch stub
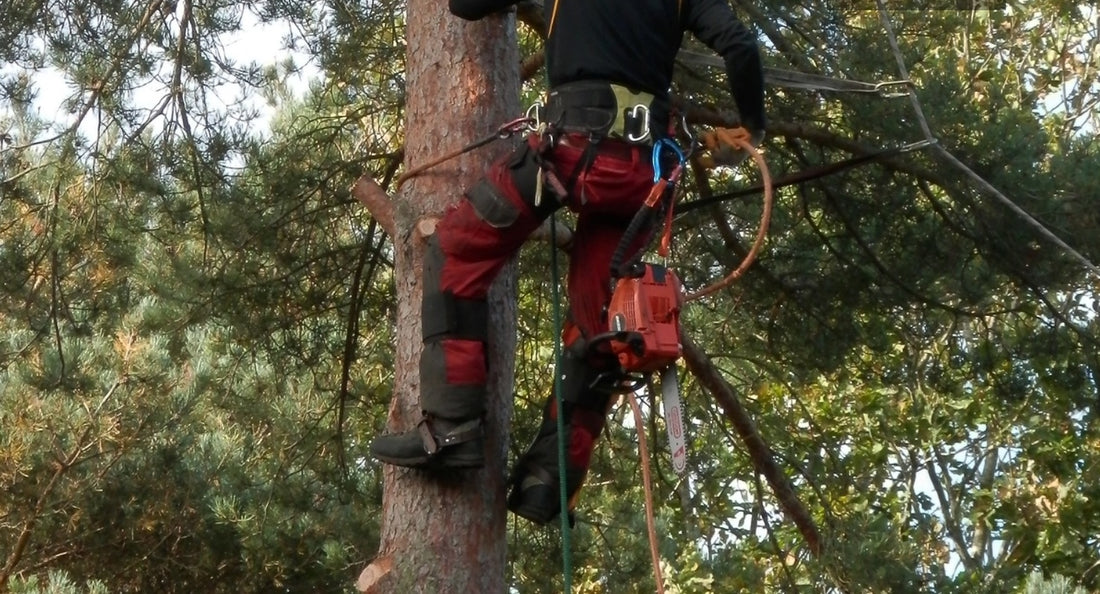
378,202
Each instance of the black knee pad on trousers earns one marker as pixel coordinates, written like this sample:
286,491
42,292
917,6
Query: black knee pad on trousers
442,314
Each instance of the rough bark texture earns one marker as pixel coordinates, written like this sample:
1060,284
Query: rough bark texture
446,533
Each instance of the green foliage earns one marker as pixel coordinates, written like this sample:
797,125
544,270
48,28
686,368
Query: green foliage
56,582
1056,584
172,406
198,322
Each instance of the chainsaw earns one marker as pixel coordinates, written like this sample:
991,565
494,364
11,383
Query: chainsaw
644,319
643,315
644,334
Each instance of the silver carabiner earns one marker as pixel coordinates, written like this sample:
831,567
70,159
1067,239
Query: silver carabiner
693,143
534,115
645,123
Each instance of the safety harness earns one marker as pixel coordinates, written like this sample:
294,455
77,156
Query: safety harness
603,110
592,111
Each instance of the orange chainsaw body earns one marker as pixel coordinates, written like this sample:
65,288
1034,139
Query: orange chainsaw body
644,316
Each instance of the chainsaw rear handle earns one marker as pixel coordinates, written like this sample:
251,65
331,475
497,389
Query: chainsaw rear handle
633,340
620,269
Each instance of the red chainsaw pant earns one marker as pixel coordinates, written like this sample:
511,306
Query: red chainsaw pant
479,234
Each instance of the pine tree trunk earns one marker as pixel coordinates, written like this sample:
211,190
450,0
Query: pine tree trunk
447,533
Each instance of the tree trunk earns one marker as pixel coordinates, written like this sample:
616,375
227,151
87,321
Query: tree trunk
446,533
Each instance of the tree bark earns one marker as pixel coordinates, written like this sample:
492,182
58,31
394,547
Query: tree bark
446,533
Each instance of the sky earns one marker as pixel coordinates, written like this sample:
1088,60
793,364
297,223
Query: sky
255,43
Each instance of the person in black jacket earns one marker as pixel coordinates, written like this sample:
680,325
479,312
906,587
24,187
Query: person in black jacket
609,66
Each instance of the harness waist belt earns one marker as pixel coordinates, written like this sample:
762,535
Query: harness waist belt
605,109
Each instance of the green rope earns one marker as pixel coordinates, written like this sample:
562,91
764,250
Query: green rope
566,548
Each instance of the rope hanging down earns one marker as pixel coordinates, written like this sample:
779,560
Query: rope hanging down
647,482
559,401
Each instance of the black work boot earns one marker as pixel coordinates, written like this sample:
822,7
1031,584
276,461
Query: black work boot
435,443
452,381
535,492
449,434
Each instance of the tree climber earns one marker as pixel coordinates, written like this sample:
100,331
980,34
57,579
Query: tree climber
609,66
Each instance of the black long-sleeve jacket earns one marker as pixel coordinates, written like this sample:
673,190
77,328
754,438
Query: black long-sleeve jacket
634,43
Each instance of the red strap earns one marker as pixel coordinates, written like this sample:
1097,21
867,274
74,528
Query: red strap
666,236
656,192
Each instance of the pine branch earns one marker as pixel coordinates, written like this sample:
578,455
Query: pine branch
763,458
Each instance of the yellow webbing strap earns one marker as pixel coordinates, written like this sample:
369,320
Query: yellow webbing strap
553,17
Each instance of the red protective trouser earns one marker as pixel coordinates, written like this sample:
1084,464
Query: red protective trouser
479,234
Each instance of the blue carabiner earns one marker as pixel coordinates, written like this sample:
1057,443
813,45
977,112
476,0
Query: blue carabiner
662,142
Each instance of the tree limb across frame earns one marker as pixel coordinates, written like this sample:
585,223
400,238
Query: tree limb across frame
761,455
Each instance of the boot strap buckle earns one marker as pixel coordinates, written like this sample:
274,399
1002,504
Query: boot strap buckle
424,428
469,434
433,442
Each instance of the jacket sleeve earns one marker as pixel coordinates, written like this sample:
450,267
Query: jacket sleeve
714,23
472,10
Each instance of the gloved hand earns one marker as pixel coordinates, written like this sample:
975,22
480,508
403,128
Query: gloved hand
721,148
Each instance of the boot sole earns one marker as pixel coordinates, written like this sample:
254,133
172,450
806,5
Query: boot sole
444,459
533,513
539,504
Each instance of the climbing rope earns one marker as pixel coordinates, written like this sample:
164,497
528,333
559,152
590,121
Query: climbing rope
563,489
741,138
794,79
505,131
